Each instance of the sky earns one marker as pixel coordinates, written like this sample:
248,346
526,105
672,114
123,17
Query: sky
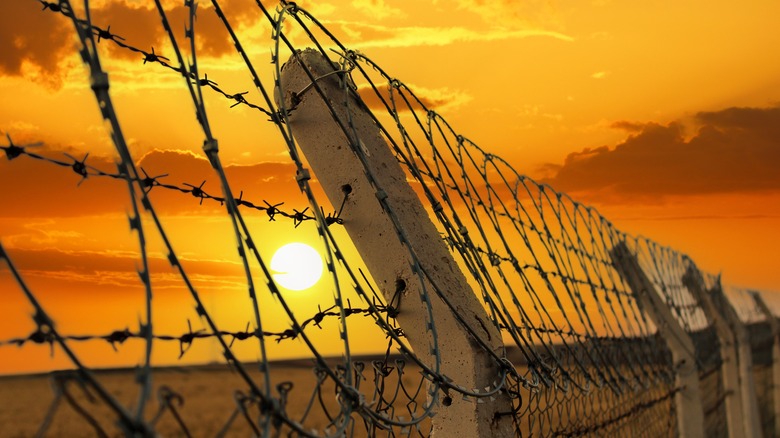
663,115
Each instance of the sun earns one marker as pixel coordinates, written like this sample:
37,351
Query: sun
296,266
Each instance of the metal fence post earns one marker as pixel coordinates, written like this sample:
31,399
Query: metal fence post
690,416
694,282
377,209
770,317
752,422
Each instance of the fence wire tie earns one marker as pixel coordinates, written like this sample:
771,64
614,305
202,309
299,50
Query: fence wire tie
170,401
297,97
59,381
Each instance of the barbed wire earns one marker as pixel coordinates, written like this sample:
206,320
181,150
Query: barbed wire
84,170
589,359
545,273
150,57
47,328
41,336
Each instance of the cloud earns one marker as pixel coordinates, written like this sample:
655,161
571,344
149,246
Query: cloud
735,150
511,14
41,40
434,99
32,40
140,27
377,9
371,35
627,126
119,269
270,181
33,188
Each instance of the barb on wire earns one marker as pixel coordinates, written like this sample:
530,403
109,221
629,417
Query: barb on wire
117,338
152,57
13,150
84,170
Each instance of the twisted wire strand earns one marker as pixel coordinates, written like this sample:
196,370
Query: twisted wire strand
84,170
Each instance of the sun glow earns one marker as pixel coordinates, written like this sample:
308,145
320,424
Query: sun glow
296,266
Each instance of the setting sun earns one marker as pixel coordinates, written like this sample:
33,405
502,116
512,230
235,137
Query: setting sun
296,266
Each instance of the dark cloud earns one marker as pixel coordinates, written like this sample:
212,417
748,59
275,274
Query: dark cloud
140,26
31,36
42,38
374,101
33,188
270,181
628,126
734,150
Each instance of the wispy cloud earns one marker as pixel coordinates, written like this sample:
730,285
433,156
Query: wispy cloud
118,269
371,35
26,49
377,9
438,98
512,14
46,56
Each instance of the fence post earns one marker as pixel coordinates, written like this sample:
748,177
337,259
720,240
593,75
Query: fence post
694,282
690,416
747,384
770,317
375,213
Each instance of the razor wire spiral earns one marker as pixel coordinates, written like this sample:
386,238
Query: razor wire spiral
587,360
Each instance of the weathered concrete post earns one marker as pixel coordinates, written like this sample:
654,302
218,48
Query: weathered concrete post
747,383
332,156
694,282
690,416
772,319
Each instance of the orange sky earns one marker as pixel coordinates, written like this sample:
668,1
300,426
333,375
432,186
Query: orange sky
664,115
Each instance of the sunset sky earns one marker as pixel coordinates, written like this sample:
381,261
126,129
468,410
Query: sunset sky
664,115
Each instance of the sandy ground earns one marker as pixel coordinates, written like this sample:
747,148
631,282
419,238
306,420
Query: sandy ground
208,403
207,393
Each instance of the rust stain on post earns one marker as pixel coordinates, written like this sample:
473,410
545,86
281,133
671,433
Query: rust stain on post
373,232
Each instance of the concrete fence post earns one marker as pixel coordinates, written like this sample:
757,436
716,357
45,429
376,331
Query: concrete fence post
333,156
752,422
775,326
694,282
690,416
